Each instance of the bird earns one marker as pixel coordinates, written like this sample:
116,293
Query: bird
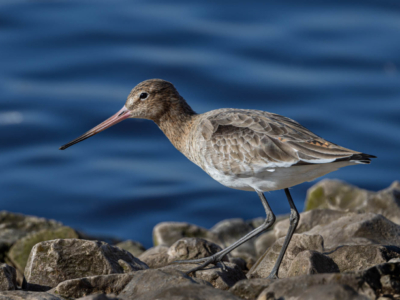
250,150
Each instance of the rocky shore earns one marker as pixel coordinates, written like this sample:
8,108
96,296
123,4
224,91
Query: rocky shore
347,246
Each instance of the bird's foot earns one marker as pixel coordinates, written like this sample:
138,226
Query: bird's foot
214,259
273,275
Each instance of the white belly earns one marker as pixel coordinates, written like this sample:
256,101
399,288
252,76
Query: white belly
274,178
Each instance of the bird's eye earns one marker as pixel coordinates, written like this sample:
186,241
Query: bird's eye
143,96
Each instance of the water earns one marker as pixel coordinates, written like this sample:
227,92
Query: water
65,66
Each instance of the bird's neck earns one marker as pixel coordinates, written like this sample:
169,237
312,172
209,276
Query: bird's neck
176,124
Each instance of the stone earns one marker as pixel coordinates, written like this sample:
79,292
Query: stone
360,257
311,262
331,292
52,262
100,297
167,233
188,292
8,278
338,195
20,251
231,230
358,229
135,248
155,280
192,248
25,295
264,241
249,289
15,226
80,287
299,243
155,257
220,277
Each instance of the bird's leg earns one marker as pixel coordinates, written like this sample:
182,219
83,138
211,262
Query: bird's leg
294,220
217,257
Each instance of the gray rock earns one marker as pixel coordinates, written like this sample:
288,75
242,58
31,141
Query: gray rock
100,297
15,226
135,248
221,277
192,248
52,262
299,243
231,230
155,257
331,292
20,251
188,292
311,262
264,241
249,289
80,287
338,195
24,295
154,281
360,257
167,233
8,278
358,229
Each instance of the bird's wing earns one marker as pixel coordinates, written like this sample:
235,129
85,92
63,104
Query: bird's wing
238,141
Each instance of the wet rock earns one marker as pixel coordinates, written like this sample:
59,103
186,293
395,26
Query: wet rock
167,233
338,195
311,262
231,230
135,248
358,229
155,257
24,295
20,251
221,276
52,262
8,277
249,289
15,226
189,292
155,280
299,243
361,257
80,287
192,248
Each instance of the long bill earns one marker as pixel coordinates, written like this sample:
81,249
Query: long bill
123,114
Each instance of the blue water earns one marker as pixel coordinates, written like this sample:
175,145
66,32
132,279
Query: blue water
65,66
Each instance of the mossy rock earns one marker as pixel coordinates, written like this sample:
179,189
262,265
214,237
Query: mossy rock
20,251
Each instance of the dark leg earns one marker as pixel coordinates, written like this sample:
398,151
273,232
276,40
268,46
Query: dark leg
294,220
217,257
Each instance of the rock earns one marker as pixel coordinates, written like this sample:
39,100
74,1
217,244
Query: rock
155,257
135,248
188,292
338,195
8,278
100,297
154,280
80,287
264,241
299,243
24,295
311,262
20,251
231,230
358,229
192,248
220,277
331,292
52,262
15,226
249,289
167,233
360,257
